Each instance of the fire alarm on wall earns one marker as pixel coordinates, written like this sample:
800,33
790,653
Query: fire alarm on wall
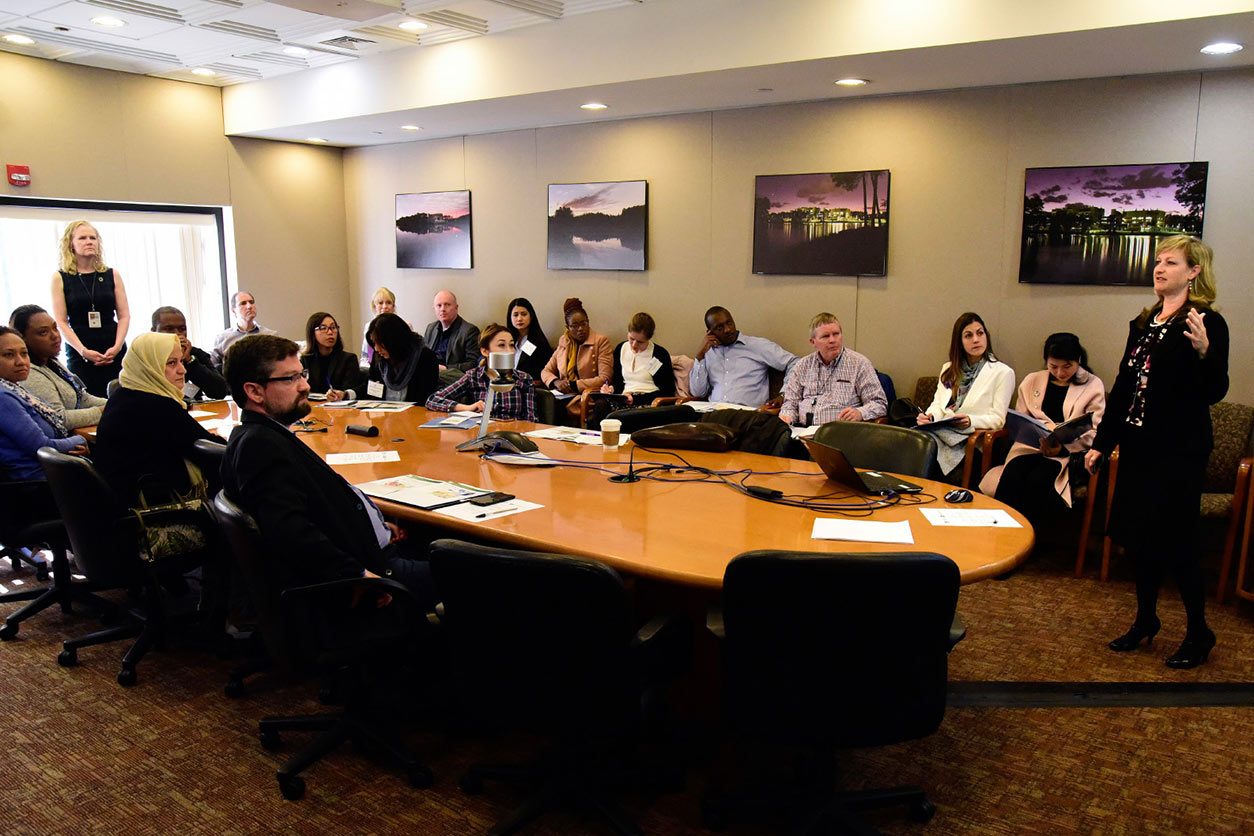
19,175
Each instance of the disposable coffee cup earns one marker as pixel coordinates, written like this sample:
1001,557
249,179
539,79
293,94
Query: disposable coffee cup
610,428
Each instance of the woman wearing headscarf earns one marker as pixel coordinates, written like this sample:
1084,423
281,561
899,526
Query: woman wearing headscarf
26,422
583,360
146,433
50,381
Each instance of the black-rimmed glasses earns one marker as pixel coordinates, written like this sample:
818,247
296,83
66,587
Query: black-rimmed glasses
287,378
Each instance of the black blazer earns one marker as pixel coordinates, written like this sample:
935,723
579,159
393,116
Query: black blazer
463,344
1181,388
339,369
663,379
535,362
311,520
144,438
426,377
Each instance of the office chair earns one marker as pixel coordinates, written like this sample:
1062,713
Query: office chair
825,651
330,629
548,642
104,537
756,432
883,447
21,526
546,406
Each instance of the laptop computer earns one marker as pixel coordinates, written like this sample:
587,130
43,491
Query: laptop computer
837,468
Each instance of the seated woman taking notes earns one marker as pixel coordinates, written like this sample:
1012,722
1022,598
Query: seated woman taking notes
469,392
332,370
642,369
1035,480
974,390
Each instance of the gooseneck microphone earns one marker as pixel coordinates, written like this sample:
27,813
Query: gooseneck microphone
630,475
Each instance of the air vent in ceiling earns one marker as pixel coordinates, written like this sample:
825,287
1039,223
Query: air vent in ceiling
545,8
467,23
245,30
348,42
135,7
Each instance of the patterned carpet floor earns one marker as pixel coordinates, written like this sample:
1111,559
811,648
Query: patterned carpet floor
172,755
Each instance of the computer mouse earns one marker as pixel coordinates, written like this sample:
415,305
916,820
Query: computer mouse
959,495
508,441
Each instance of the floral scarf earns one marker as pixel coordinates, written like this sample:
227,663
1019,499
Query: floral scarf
44,409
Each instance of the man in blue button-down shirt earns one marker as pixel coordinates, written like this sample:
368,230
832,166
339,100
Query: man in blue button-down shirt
732,367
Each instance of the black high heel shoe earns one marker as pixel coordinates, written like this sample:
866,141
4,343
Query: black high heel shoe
1194,650
1131,640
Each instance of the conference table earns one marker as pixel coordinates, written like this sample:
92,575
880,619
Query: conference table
681,533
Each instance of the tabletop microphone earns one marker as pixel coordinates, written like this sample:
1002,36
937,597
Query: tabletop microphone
358,429
630,475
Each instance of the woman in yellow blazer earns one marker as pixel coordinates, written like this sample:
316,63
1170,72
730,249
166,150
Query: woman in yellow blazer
582,361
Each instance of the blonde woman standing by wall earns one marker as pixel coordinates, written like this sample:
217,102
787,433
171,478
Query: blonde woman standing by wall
90,308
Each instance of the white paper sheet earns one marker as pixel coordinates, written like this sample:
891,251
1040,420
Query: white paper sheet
862,531
710,406
419,491
487,513
574,435
363,458
221,426
970,517
200,413
804,432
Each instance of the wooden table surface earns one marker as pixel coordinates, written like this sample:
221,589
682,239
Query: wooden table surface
683,533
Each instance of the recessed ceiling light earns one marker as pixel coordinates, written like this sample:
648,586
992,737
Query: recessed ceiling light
20,40
851,82
1221,48
205,71
410,128
594,106
412,25
108,21
295,50
316,139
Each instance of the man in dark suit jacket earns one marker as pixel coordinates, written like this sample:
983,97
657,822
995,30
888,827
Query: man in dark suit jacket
203,380
454,340
319,527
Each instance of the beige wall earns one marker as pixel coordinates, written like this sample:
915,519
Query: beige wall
99,135
956,162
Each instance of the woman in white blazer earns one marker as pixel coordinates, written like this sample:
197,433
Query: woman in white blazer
1035,479
974,388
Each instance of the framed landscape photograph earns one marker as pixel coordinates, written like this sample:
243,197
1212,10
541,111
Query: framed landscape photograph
433,230
833,224
1099,225
598,226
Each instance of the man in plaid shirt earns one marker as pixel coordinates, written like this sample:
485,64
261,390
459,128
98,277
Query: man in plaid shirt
832,384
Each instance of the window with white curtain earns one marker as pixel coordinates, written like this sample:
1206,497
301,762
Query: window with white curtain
165,256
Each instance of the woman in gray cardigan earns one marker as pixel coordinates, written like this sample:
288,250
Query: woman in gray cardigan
49,380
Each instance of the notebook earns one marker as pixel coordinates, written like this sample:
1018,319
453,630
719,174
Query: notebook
839,470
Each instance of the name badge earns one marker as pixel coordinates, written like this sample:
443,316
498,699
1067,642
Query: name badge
528,347
654,365
93,319
374,389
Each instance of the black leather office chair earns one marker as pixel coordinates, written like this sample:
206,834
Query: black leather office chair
21,524
104,537
546,406
825,651
756,432
548,642
330,629
883,447
643,417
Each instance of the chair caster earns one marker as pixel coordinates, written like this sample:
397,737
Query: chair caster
292,787
234,689
270,740
8,632
42,573
922,811
67,658
419,777
127,677
470,783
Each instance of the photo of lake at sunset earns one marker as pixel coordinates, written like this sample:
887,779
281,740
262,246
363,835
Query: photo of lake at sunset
833,224
1100,225
433,230
598,226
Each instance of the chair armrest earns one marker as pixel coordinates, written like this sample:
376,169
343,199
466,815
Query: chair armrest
582,400
714,621
663,646
957,630
668,400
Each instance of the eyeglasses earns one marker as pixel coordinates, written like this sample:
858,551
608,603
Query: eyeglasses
303,374
326,328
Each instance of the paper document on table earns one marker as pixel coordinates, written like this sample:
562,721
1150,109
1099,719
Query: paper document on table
419,491
221,426
710,406
201,413
535,458
574,435
863,531
460,421
970,517
485,513
339,405
804,432
363,458
383,406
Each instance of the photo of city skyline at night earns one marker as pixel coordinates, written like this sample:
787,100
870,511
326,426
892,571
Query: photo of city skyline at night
598,226
433,230
1099,225
833,224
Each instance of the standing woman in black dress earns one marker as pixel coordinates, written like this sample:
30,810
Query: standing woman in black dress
89,305
1174,367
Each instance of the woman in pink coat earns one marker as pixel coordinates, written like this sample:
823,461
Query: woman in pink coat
1035,480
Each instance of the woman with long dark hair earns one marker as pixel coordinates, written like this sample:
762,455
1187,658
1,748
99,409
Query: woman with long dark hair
1174,366
531,347
50,381
403,368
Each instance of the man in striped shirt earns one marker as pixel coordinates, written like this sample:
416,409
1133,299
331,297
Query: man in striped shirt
832,384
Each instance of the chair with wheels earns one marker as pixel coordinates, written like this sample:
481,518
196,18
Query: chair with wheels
882,447
830,651
104,537
336,630
548,643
